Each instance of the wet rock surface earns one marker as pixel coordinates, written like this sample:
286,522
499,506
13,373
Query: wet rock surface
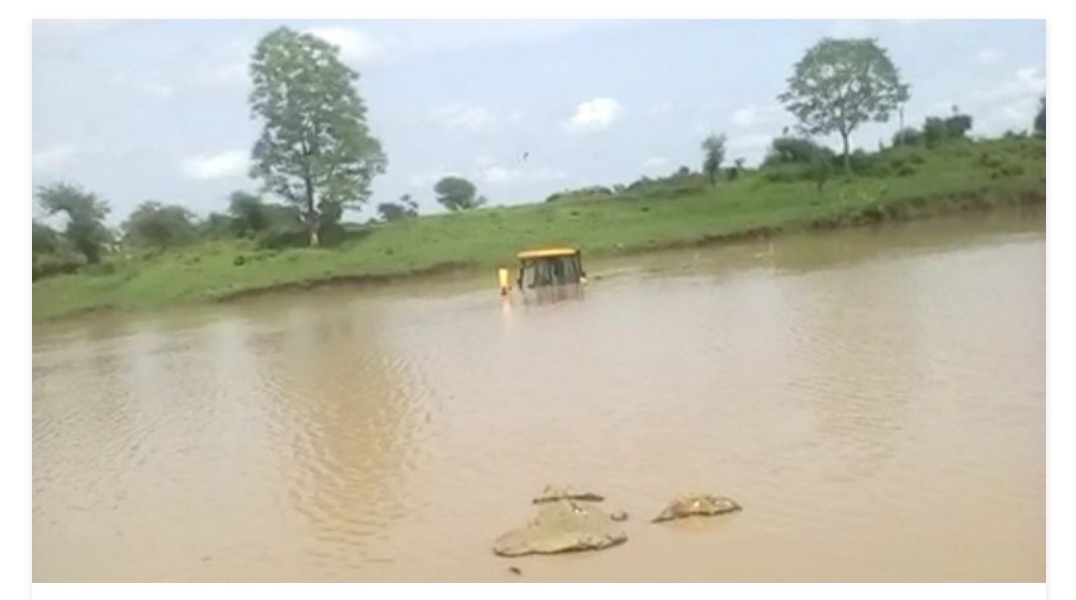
697,506
569,521
555,493
562,526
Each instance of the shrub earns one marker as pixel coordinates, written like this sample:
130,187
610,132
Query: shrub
794,150
586,193
49,265
279,239
909,136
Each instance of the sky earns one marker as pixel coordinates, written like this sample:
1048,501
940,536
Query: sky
157,110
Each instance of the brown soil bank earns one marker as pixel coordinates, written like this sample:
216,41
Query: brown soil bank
859,216
445,268
170,284
864,216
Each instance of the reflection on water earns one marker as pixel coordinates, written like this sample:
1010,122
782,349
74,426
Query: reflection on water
541,296
874,399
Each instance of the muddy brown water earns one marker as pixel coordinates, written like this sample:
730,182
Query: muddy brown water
875,399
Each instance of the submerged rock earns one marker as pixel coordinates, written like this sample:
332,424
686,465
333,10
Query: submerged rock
562,526
692,506
554,493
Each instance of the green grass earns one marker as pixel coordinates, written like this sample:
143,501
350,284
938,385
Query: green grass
950,178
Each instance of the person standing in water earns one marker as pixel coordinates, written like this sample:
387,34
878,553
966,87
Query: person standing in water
502,279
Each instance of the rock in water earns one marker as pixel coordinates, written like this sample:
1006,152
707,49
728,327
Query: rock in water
702,506
553,493
561,526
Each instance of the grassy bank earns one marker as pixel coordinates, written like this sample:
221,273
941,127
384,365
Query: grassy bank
980,175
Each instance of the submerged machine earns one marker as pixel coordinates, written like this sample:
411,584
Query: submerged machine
550,267
546,272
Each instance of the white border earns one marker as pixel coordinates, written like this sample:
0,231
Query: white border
501,591
16,419
547,9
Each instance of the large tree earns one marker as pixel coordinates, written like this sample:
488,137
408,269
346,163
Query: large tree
938,130
456,194
248,213
315,149
216,226
160,225
398,211
793,149
85,212
51,254
45,239
713,149
1040,118
839,85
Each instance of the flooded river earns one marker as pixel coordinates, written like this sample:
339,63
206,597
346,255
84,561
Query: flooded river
875,400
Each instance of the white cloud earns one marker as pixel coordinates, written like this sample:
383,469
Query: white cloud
500,174
223,67
989,55
484,160
436,36
1028,82
230,163
497,174
465,116
428,178
354,45
656,161
660,109
228,72
156,90
547,174
1018,114
53,157
744,117
516,116
487,171
474,117
227,65
144,85
752,116
594,115
754,141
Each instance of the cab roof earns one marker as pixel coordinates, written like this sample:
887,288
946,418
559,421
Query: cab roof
547,253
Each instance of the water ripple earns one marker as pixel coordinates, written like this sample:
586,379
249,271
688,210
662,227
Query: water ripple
858,389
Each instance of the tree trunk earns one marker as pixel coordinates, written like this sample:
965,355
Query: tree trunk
900,137
88,249
312,220
847,158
